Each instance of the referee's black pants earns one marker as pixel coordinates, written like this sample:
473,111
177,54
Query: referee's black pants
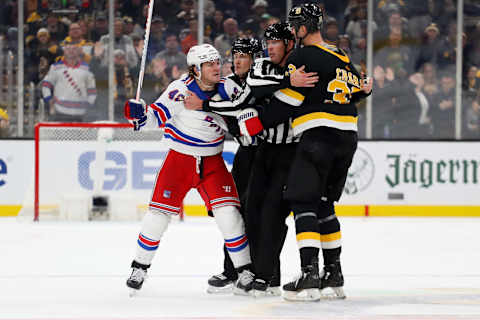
267,209
242,166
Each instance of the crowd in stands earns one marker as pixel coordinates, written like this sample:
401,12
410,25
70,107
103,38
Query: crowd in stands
413,66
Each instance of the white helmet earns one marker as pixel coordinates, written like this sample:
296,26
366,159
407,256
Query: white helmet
200,54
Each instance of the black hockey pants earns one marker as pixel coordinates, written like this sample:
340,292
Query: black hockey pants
267,209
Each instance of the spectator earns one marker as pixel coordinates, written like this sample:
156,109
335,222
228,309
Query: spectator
100,28
383,102
190,39
42,52
128,26
172,55
396,55
134,8
254,21
168,9
473,54
4,124
331,31
156,42
156,79
124,86
471,85
75,38
233,8
443,111
69,87
418,15
185,15
429,48
223,42
448,48
355,27
414,111
472,119
33,21
396,24
429,73
56,29
216,25
121,41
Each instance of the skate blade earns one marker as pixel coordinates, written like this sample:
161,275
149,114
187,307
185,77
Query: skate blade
274,292
241,292
228,289
333,293
303,295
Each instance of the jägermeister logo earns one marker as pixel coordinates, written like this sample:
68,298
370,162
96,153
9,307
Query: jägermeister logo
427,172
361,172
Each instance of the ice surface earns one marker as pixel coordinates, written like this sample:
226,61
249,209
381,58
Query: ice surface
395,268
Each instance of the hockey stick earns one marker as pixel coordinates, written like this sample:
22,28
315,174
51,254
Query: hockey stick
145,47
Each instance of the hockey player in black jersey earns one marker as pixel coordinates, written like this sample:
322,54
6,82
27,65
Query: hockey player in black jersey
326,118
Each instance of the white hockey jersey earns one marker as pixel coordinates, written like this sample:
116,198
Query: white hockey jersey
72,88
191,132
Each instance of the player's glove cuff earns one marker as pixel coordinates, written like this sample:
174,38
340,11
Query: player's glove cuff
135,109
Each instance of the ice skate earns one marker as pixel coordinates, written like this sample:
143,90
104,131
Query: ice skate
262,289
137,277
220,284
306,287
259,288
244,283
274,287
331,282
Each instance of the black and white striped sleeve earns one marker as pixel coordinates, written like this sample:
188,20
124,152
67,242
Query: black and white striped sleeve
265,78
229,107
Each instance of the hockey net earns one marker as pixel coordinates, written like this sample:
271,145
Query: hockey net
80,166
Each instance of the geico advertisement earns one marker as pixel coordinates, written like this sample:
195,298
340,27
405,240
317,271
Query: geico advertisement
16,169
414,173
70,168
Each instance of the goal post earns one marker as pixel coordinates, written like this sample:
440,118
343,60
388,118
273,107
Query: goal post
83,168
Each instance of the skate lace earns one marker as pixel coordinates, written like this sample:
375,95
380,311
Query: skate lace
246,277
137,275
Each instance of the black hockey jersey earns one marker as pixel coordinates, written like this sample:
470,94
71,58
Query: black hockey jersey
331,102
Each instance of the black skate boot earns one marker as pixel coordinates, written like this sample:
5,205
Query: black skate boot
332,277
136,279
221,283
244,283
259,288
274,287
305,287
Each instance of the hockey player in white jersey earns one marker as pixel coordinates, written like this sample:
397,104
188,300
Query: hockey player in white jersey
194,160
69,87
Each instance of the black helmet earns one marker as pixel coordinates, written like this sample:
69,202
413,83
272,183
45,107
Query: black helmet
279,31
246,45
307,14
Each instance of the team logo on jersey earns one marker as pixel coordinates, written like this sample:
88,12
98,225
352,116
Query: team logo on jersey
167,194
235,93
291,68
361,172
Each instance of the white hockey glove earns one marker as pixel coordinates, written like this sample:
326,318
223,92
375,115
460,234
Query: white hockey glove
249,124
135,112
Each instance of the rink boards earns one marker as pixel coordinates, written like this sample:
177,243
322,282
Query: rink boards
385,179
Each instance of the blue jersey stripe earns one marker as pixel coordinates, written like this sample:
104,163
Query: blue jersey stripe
165,109
192,143
183,135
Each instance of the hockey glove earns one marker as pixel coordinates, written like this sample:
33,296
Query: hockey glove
135,109
249,123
